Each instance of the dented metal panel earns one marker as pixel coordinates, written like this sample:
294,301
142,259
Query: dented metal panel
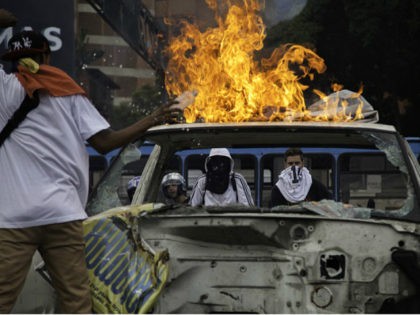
279,265
331,256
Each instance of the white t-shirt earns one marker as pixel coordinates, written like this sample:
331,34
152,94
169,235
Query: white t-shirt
44,165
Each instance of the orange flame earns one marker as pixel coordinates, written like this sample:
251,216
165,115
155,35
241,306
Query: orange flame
233,87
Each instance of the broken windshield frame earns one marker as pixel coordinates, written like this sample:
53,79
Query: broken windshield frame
393,159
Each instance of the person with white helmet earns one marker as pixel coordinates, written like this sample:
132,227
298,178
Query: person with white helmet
220,185
174,188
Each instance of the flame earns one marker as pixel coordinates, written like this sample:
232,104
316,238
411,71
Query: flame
335,109
232,86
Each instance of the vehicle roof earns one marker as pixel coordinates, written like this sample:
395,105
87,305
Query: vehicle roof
198,135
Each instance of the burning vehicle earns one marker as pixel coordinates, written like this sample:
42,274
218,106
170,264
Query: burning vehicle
356,252
338,255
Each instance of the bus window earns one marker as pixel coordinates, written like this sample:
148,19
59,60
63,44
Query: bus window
414,143
371,179
174,165
246,165
194,167
320,166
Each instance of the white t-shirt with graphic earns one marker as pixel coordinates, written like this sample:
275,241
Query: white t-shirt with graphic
44,165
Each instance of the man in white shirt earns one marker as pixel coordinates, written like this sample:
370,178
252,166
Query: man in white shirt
44,170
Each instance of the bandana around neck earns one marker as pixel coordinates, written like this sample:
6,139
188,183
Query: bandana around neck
294,183
50,79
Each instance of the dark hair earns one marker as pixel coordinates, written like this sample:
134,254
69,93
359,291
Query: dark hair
293,152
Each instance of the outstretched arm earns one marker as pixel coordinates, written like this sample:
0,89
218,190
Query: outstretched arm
7,18
108,139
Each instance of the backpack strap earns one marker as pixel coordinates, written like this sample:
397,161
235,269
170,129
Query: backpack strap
19,115
233,181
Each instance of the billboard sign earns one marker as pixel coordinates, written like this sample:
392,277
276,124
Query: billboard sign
54,19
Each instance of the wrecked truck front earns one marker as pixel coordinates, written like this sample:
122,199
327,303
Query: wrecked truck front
338,255
279,263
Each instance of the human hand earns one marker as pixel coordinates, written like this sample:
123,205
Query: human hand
167,113
7,18
185,99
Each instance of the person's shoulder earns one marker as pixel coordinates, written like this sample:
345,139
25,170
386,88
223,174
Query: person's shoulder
7,76
79,100
201,180
202,177
238,175
240,178
3,75
11,84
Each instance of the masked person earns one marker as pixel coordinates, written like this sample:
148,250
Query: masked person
45,165
295,183
174,188
220,186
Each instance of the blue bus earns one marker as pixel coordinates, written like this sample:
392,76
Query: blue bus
414,143
262,165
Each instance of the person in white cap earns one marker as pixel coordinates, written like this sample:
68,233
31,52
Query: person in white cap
295,183
220,185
